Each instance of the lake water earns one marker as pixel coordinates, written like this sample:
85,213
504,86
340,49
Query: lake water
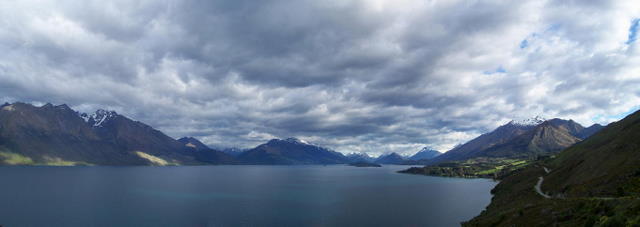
235,196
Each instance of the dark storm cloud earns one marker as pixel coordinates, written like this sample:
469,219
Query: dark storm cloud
357,76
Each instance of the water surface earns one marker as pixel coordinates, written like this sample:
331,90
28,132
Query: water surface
235,196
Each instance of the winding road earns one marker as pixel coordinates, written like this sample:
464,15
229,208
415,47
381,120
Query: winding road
539,191
538,187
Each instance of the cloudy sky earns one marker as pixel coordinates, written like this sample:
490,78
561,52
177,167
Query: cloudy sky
357,76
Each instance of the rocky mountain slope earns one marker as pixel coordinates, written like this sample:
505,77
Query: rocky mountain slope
521,141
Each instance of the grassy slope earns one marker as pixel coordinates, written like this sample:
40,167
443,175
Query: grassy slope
10,158
606,164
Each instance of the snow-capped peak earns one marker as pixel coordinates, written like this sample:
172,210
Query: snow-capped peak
529,122
296,140
426,149
99,117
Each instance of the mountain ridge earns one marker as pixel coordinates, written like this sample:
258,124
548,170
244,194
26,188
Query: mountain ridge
514,140
425,153
62,134
58,135
290,151
392,158
360,157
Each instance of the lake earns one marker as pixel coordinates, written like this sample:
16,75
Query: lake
334,195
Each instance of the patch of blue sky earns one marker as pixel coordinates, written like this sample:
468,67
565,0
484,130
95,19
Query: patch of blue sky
633,31
524,44
615,117
553,27
550,29
500,69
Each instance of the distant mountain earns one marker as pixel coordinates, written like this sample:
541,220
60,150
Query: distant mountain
498,136
425,153
592,183
544,139
58,135
526,139
205,154
576,129
587,132
290,151
233,151
360,157
393,158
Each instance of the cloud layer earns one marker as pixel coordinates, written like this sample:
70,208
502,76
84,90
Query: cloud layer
358,76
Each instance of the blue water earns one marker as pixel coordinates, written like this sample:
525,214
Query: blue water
235,196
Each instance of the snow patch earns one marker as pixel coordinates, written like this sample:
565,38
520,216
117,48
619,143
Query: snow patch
99,117
427,149
529,122
85,117
296,140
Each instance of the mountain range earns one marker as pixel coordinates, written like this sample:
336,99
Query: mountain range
422,156
58,135
521,140
290,151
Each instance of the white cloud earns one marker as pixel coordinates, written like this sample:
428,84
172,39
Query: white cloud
357,76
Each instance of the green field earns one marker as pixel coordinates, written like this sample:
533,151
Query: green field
472,168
